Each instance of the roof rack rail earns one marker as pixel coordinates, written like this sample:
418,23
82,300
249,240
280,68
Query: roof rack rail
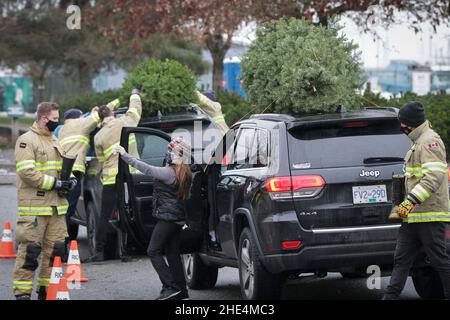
391,109
272,117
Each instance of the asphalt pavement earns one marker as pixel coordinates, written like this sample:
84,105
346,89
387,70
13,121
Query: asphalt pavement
137,280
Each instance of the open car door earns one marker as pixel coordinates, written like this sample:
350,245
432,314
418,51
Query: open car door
135,190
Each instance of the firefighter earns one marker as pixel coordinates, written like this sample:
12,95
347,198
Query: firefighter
41,226
425,210
74,141
212,107
106,141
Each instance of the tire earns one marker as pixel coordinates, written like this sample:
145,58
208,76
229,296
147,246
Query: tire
198,275
256,282
91,225
428,283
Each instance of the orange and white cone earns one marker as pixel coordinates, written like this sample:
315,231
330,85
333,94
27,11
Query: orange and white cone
63,291
57,275
7,244
74,271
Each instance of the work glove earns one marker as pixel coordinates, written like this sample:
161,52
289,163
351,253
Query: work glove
405,208
135,91
64,187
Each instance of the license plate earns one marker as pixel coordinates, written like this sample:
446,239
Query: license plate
369,194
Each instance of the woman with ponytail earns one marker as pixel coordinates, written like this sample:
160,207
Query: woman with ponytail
171,187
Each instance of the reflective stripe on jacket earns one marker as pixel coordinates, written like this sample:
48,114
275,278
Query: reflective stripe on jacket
38,164
74,136
426,176
108,138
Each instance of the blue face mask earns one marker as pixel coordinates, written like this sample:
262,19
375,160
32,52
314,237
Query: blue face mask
168,157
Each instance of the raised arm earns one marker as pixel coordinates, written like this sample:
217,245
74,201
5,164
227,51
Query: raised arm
164,174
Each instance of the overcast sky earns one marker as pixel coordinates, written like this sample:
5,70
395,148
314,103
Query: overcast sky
397,42
400,42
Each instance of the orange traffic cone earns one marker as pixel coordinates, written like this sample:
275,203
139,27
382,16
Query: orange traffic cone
74,271
63,291
6,244
57,275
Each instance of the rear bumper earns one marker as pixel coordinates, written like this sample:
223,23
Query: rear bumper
332,257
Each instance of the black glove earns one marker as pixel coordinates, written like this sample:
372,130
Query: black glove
64,187
135,91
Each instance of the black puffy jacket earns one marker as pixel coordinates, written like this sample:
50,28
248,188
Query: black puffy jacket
165,203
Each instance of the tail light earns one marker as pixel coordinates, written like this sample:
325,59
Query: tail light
355,124
289,245
448,174
295,186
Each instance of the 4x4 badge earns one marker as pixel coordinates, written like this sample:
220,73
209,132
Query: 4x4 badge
371,173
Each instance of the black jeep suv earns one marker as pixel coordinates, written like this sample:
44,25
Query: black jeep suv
302,195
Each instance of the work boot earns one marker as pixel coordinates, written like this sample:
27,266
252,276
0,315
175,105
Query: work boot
42,293
24,296
97,257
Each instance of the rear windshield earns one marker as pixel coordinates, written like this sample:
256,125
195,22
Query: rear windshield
346,144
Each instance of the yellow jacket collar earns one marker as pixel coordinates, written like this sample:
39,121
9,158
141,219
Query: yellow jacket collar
417,132
43,132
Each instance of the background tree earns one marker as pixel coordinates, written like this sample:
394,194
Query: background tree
295,67
214,22
211,23
34,39
365,13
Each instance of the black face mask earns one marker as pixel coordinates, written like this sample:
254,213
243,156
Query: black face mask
406,130
52,125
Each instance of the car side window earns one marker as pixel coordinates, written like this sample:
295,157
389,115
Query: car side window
240,157
259,152
149,148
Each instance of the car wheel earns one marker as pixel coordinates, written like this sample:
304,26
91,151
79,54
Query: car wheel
256,282
91,225
428,283
198,275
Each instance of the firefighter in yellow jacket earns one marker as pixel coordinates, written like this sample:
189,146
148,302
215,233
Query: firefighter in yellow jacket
105,141
75,142
41,226
425,211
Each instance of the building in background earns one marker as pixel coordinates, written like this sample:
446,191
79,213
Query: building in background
402,76
16,91
232,76
109,79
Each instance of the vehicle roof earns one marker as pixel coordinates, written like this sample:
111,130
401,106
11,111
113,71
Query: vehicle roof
367,114
176,117
191,114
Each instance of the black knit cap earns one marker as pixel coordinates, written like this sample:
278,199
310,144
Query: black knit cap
72,114
412,114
